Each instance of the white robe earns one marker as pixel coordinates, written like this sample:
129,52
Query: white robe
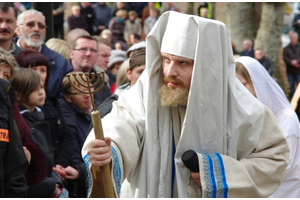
270,94
224,123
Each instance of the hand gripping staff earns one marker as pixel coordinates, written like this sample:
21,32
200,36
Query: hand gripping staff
102,184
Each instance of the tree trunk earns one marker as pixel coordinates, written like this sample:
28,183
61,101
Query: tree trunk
190,8
269,32
241,22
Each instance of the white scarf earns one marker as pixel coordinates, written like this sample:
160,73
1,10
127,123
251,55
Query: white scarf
221,115
270,94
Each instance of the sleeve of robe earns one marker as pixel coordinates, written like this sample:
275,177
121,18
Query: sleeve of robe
257,175
120,123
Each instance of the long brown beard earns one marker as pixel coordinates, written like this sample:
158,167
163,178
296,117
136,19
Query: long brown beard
172,97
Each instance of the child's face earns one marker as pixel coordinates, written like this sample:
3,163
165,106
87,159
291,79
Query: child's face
118,46
153,13
132,17
37,97
76,12
116,67
5,72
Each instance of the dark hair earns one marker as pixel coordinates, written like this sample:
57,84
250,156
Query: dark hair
25,81
31,58
4,6
136,36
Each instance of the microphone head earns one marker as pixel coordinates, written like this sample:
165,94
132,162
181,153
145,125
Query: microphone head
190,160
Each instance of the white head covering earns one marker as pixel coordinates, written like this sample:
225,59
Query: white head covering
216,101
221,115
270,94
138,45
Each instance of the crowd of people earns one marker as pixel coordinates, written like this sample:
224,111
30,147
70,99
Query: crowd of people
164,91
126,21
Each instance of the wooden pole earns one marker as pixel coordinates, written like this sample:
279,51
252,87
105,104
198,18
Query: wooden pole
102,186
294,101
104,174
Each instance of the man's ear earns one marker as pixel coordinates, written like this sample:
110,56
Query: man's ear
128,74
17,31
71,54
67,98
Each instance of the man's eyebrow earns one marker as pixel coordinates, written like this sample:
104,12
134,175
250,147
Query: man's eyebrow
177,58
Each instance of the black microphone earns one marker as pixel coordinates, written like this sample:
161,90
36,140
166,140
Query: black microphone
190,160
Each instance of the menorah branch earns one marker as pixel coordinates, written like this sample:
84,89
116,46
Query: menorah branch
102,178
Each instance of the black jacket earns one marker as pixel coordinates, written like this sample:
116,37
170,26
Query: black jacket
89,15
268,64
78,123
290,53
104,93
60,133
13,162
247,53
40,134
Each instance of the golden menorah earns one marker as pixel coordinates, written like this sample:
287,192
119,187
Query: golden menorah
102,184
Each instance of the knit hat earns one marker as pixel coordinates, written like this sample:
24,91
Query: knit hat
138,58
138,45
116,56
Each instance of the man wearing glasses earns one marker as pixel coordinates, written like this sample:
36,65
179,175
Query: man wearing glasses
31,30
84,54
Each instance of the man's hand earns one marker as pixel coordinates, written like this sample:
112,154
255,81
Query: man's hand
196,177
27,154
54,12
294,63
56,192
72,173
58,166
99,152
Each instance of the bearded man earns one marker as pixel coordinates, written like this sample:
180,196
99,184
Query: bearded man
31,30
189,98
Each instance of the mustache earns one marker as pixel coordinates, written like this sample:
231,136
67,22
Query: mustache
4,31
31,34
173,80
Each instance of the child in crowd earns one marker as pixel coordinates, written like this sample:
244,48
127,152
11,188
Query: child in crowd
76,20
31,95
151,20
132,25
117,57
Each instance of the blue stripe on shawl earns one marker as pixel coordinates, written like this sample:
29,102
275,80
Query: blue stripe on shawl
212,177
116,170
86,159
88,180
223,176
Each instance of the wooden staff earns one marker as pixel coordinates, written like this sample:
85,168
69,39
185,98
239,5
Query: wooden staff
296,96
102,186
